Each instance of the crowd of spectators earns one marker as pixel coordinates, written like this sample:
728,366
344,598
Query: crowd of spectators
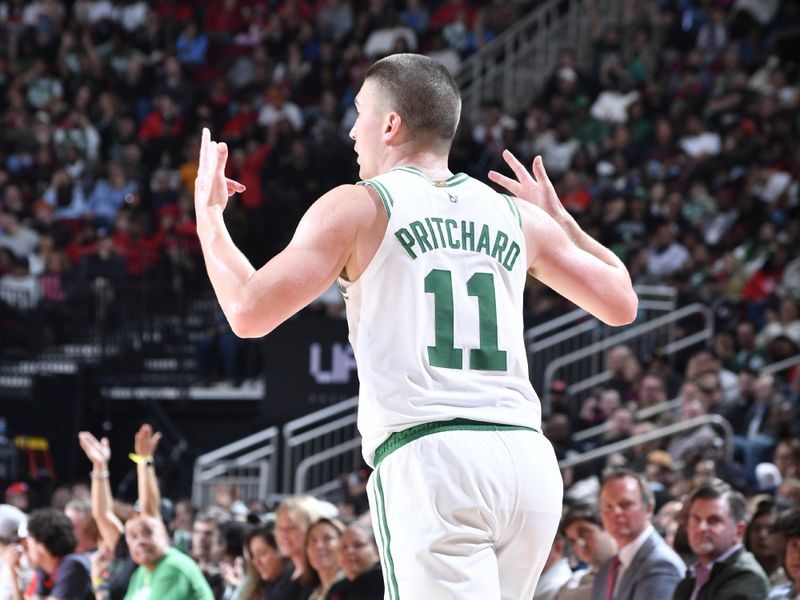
102,104
674,146
653,529
89,545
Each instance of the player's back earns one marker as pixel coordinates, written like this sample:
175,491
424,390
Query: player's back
436,318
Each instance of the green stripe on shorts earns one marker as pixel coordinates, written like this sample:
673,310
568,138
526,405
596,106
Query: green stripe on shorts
380,503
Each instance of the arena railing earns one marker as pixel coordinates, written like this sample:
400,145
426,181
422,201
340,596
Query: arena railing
654,435
577,329
251,464
323,471
780,366
645,413
513,67
321,447
586,366
649,412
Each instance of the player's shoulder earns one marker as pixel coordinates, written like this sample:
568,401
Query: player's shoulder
349,201
346,194
534,219
529,209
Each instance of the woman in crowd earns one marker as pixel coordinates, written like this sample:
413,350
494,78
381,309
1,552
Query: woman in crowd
358,557
292,521
322,546
789,527
267,570
759,540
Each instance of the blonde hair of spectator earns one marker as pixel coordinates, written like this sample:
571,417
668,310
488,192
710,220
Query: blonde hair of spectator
303,510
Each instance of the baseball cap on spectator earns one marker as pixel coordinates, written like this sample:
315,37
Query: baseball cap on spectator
11,519
18,488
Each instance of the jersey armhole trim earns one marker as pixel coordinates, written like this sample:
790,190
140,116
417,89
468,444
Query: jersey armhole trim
514,209
383,194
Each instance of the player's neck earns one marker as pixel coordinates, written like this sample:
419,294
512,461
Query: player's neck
432,165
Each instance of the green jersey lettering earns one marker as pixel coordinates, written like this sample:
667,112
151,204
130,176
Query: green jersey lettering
500,243
433,233
421,235
468,235
483,240
438,221
511,257
406,241
453,243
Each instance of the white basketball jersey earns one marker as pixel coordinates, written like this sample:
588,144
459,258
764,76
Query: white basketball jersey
436,317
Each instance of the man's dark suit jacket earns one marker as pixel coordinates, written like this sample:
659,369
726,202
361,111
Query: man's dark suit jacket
739,577
652,575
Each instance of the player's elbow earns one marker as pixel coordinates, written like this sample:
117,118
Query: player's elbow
244,324
626,310
246,330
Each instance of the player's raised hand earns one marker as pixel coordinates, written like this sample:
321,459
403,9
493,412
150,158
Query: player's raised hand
211,186
535,187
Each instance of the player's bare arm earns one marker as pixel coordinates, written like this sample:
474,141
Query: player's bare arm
324,246
561,254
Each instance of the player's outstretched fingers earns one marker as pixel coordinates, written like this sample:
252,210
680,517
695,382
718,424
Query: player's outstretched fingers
234,187
206,166
205,151
511,185
539,171
519,169
222,154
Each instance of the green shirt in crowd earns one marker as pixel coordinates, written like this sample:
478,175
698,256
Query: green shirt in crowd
176,577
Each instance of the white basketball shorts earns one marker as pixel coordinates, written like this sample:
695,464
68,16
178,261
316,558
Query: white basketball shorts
464,510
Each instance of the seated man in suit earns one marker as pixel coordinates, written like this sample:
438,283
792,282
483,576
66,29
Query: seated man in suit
645,566
724,569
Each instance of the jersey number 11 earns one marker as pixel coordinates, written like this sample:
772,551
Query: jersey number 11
487,357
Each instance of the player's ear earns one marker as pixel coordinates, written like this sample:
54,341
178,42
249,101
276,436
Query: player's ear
391,125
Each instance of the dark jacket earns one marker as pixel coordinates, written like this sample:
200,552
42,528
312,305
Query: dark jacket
739,577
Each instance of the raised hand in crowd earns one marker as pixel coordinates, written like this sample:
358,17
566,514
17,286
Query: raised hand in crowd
145,442
97,451
99,454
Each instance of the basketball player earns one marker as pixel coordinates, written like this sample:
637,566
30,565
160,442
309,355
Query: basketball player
466,493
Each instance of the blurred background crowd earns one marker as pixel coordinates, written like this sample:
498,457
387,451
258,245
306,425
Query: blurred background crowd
676,146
